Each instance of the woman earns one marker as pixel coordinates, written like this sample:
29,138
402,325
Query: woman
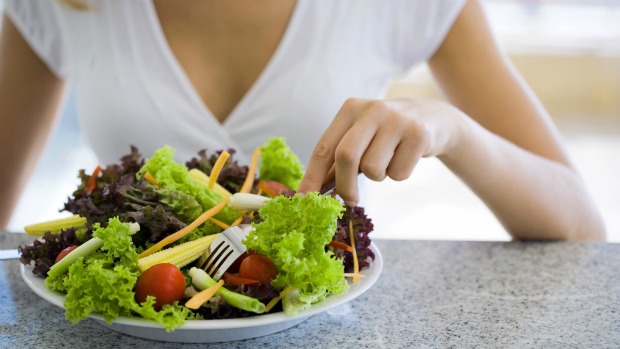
220,74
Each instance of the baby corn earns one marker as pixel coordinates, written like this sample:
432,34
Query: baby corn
55,226
180,255
203,178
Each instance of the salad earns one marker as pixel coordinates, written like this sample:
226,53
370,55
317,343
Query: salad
142,227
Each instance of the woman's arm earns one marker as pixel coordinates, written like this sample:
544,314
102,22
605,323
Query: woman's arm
30,95
515,162
499,141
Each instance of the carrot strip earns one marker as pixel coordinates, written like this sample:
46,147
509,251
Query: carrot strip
356,265
217,168
181,233
272,303
91,184
249,179
219,223
237,221
149,178
341,246
201,297
235,280
352,275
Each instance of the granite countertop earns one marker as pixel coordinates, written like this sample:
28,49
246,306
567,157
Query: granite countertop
430,294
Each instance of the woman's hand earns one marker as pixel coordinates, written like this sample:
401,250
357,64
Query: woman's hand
380,139
498,139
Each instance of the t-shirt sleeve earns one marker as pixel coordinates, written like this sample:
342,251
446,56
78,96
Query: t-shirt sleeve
38,23
425,26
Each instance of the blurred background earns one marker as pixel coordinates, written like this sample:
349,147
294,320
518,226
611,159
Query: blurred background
568,51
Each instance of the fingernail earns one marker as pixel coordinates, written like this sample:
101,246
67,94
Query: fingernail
350,203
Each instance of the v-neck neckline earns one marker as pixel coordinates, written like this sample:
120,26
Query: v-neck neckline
188,86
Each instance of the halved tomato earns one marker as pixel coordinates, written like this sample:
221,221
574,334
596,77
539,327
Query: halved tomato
234,268
258,267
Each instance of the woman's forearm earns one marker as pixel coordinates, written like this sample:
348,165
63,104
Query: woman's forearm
532,196
511,156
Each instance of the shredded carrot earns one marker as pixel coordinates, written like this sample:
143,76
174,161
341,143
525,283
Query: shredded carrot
356,265
341,246
237,221
217,168
149,178
91,184
272,303
181,233
352,275
219,223
200,298
249,179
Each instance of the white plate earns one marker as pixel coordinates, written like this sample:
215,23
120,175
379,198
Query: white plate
210,331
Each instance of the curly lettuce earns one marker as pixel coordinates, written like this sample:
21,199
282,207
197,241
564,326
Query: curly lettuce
103,282
279,163
293,234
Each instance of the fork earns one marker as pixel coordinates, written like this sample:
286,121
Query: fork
330,186
225,250
227,247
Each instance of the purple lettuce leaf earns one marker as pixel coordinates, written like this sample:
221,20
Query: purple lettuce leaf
362,226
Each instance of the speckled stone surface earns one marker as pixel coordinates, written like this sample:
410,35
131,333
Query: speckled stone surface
430,295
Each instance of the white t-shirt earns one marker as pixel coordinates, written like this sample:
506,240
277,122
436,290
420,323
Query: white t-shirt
130,88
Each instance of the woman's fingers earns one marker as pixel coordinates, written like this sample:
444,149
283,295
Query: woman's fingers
323,156
414,143
403,162
379,153
371,136
348,154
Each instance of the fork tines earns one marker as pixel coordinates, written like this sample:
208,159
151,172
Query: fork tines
225,250
211,265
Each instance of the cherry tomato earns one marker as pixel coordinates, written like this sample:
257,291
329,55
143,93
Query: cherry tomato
234,280
258,267
163,281
65,252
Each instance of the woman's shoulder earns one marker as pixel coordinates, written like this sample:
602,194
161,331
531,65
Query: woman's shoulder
411,29
416,11
58,31
37,22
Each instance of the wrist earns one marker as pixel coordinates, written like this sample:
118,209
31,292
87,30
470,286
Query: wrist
453,136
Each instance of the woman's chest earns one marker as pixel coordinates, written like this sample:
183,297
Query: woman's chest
222,46
128,77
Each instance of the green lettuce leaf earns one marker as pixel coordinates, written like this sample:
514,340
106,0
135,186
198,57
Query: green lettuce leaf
293,234
172,175
279,163
117,243
96,287
103,282
186,207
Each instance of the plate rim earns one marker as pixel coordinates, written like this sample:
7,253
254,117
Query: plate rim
372,274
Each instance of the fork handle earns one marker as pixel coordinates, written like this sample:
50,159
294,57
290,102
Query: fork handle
330,185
